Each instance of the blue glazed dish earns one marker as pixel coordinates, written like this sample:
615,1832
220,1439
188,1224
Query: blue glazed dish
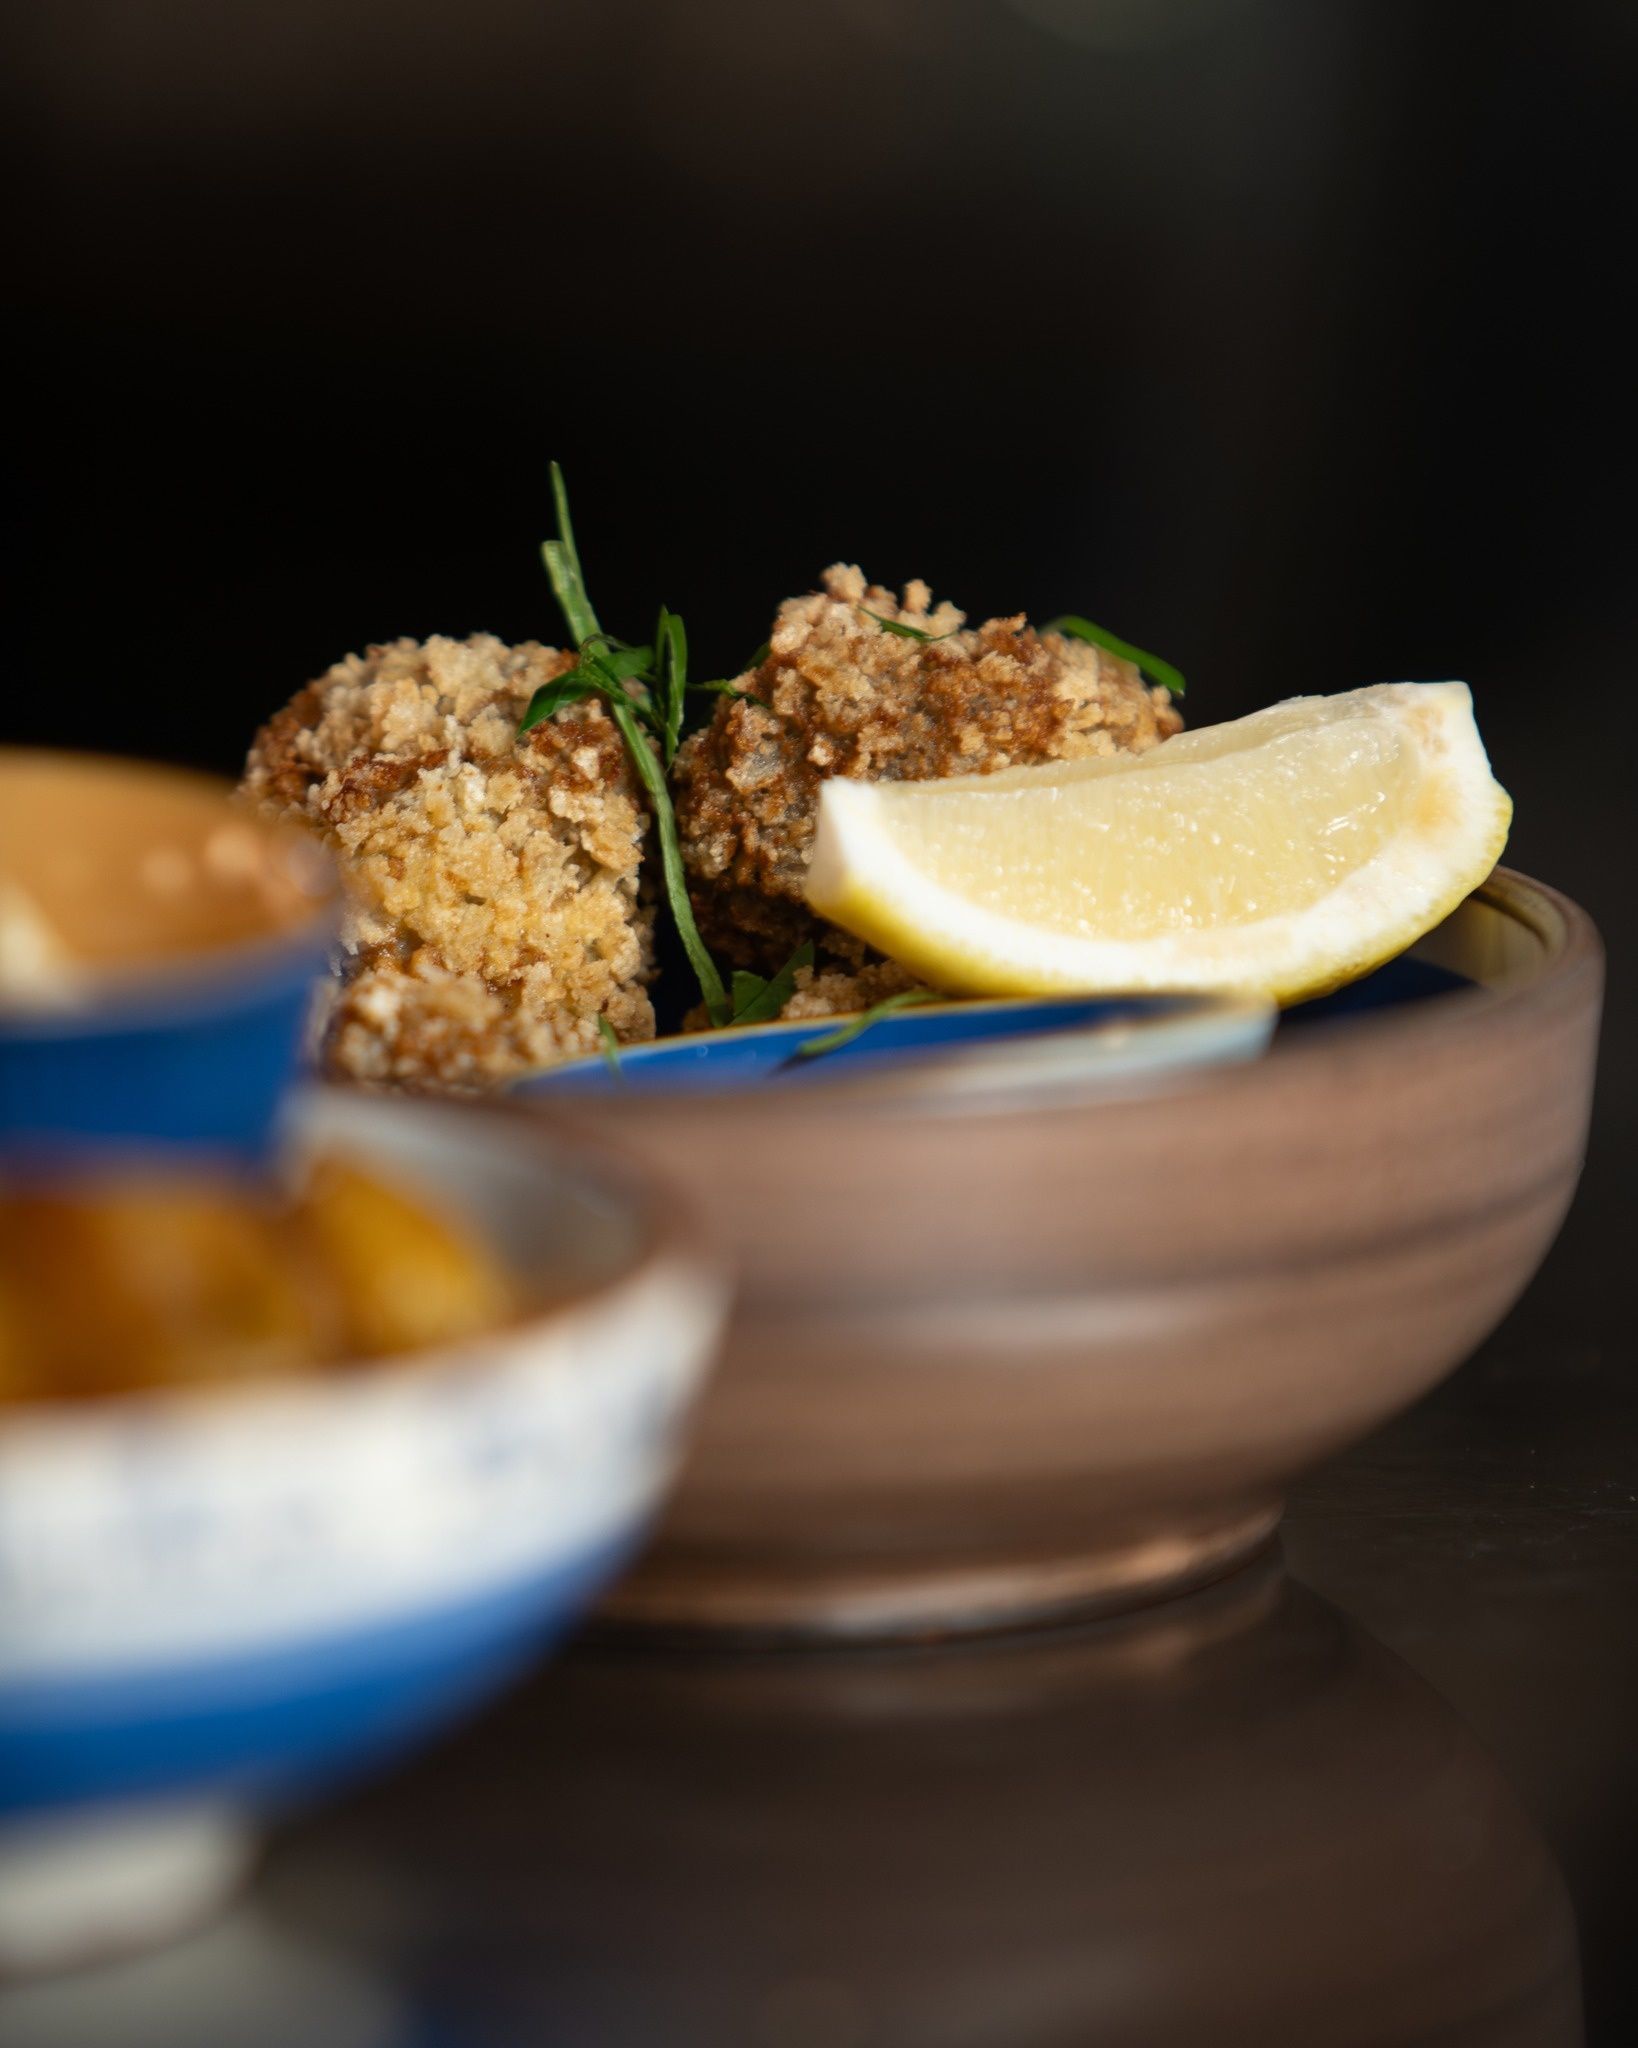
217,1602
195,1048
1102,1036
1015,1038
199,1065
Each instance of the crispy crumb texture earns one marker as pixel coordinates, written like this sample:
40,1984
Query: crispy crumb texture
841,696
494,882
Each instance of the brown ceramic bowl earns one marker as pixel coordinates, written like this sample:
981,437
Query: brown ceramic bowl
1002,1358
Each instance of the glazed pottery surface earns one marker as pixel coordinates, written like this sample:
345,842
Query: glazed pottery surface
181,1021
213,1600
999,1356
1029,1040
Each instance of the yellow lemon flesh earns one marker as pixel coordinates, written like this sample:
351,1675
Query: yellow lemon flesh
1276,855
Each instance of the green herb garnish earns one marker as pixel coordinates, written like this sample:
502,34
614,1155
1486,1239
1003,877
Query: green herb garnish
636,683
652,776
903,631
757,1001
562,560
1076,628
567,688
723,688
671,669
598,669
854,1027
611,1047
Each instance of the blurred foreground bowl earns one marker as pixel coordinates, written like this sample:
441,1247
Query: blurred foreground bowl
1033,1343
159,956
212,1602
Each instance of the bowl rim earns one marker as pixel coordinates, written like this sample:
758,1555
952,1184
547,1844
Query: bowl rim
175,990
668,1242
1163,1007
1570,956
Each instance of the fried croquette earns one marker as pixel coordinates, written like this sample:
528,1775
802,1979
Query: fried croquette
841,694
495,906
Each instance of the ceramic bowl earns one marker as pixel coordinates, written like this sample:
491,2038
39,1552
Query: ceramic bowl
1005,1353
213,1602
200,936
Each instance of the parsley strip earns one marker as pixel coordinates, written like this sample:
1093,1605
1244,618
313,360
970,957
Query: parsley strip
652,776
562,559
1074,627
608,669
854,1027
671,667
904,632
757,1001
727,689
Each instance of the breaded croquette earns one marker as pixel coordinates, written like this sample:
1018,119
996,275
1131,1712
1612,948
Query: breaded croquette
495,909
843,695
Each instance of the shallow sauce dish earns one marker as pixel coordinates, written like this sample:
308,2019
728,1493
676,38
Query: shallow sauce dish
158,955
214,1601
999,1356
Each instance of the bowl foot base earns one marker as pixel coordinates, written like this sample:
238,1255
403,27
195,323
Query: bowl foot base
677,1593
87,1886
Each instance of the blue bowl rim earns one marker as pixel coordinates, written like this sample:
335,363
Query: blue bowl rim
1567,947
1166,1004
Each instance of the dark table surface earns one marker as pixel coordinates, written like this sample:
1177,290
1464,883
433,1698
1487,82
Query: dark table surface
1379,1787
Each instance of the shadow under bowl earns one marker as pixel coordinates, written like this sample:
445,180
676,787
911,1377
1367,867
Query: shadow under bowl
999,1358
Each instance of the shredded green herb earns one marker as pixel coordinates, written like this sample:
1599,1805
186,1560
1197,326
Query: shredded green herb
562,560
646,690
611,1047
652,776
1151,665
671,668
726,686
650,690
723,688
758,1001
854,1027
904,632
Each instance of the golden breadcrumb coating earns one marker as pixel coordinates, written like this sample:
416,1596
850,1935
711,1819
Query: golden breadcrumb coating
494,909
841,696
840,989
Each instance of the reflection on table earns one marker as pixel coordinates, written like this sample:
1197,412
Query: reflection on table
1233,1819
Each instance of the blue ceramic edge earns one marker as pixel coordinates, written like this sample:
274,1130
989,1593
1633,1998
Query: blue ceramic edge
297,1716
199,1060
710,1062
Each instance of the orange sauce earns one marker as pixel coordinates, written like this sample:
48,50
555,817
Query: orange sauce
108,867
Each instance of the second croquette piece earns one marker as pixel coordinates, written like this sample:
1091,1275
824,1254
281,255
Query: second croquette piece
843,696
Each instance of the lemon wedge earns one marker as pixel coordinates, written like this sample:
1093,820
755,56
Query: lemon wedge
1277,855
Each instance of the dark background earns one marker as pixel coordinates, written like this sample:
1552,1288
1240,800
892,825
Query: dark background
1287,337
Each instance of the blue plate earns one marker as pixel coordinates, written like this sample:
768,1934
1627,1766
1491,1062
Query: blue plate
1409,979
1048,1037
1105,1035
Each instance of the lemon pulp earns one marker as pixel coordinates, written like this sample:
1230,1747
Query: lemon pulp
1279,853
